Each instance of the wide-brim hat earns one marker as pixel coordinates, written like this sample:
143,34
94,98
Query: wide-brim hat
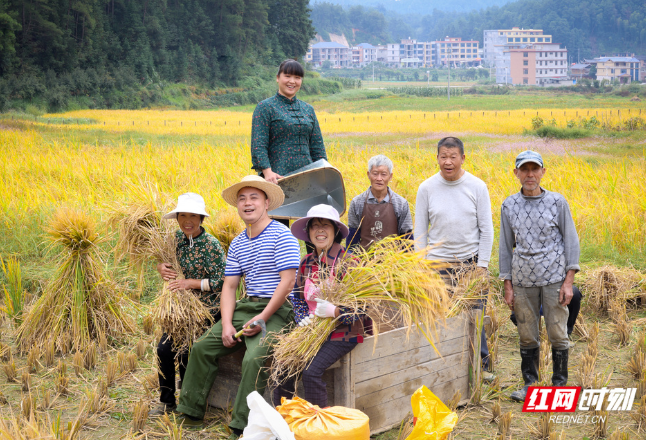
190,203
299,227
274,193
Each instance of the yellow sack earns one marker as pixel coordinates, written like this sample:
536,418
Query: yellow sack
309,422
433,419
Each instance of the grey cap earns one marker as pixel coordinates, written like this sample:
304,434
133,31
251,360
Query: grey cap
529,156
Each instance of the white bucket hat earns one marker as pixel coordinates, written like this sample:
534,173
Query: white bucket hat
274,192
299,228
188,202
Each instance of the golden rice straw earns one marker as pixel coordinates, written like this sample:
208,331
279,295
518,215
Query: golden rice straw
608,283
389,282
181,314
81,302
469,289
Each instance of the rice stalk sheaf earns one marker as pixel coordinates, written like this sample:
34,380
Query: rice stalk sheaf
81,302
389,283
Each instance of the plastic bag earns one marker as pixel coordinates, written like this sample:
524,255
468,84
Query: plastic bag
264,421
310,422
433,419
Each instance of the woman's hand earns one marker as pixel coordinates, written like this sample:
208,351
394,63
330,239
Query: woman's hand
270,176
166,271
325,309
179,284
306,321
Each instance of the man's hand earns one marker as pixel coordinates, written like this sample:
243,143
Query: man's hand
565,293
166,271
306,321
270,176
228,336
179,284
253,331
509,294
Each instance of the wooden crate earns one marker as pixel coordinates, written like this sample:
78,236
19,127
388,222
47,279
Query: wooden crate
380,380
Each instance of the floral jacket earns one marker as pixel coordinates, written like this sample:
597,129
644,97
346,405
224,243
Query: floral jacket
351,327
200,258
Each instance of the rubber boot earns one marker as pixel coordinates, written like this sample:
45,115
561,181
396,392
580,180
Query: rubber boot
529,367
559,363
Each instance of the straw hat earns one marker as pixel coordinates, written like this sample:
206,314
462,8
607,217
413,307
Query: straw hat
188,202
299,228
274,192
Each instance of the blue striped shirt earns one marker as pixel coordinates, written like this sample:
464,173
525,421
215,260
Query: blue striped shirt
262,258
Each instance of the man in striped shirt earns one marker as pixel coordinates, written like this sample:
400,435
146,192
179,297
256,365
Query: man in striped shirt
267,254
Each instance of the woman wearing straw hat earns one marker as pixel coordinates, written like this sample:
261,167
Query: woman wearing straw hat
323,229
267,255
285,134
202,261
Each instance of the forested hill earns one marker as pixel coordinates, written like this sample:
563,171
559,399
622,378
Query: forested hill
421,7
593,27
587,27
111,41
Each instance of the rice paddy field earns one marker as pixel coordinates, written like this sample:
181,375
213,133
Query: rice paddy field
94,161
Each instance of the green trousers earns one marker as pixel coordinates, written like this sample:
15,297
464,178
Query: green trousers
202,367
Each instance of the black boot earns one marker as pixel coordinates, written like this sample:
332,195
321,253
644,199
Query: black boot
529,366
559,362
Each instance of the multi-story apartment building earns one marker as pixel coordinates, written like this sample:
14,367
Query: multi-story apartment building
456,51
364,54
498,43
538,64
336,53
623,69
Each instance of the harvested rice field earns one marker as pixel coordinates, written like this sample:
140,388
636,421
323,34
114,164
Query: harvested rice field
100,384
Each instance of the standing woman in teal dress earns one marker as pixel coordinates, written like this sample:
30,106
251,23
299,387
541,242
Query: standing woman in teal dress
285,133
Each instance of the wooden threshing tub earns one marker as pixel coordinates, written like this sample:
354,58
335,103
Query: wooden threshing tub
381,382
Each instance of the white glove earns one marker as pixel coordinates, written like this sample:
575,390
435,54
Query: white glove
306,321
324,308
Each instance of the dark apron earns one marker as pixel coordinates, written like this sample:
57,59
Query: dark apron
379,221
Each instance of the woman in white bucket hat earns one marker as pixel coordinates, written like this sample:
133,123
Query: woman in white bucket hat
202,260
324,230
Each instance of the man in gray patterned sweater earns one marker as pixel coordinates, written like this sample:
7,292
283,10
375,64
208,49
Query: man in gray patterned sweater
539,255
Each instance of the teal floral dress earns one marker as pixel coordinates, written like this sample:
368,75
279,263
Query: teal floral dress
200,258
285,135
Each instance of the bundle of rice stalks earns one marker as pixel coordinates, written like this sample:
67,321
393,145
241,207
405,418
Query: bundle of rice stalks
181,314
623,329
47,400
637,363
89,360
111,372
134,223
581,328
606,283
558,436
27,405
80,302
225,226
150,383
77,363
469,289
103,343
388,282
